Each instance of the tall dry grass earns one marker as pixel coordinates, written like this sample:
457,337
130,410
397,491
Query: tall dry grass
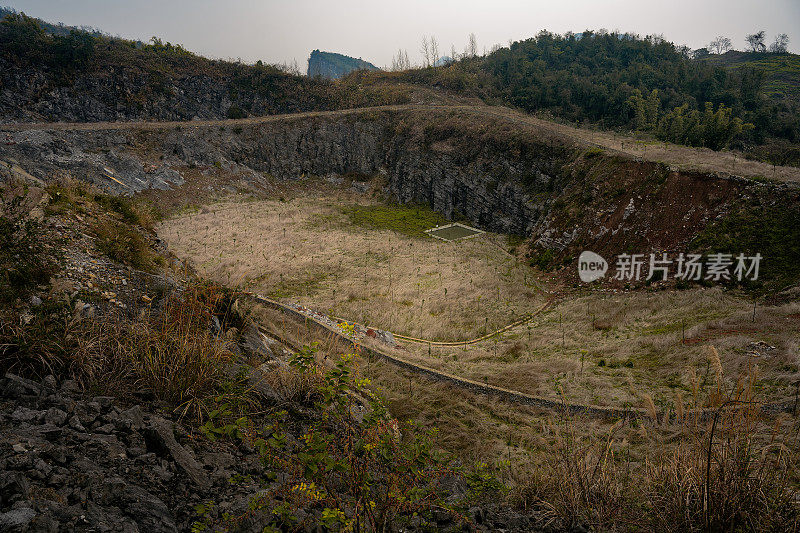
171,354
729,468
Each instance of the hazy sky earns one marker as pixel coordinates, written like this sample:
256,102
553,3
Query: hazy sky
276,30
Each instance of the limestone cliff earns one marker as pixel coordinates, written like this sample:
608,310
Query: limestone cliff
334,66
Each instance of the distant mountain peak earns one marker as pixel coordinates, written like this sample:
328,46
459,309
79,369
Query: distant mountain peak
334,66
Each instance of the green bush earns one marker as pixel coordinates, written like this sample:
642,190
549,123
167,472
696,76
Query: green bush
236,112
23,259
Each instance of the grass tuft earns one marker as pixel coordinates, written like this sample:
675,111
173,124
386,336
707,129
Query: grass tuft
124,244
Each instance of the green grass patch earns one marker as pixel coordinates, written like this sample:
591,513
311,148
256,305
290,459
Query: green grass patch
120,205
308,285
411,220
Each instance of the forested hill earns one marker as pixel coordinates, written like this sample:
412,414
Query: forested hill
623,81
781,71
53,29
748,101
86,77
334,66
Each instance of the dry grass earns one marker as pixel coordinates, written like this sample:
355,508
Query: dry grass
307,250
637,351
681,157
733,472
600,348
657,474
170,355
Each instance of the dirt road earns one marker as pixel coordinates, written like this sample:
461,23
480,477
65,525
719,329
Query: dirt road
679,157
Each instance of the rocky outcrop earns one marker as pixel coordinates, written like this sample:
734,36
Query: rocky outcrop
200,89
480,188
70,462
334,66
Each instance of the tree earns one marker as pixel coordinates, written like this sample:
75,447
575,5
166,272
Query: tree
710,128
756,41
22,39
720,45
780,45
400,61
700,53
472,46
75,49
426,51
434,44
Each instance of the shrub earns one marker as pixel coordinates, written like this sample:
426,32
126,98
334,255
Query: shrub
359,475
236,112
124,244
23,260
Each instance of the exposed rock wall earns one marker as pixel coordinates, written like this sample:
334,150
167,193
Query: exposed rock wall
334,66
481,189
562,197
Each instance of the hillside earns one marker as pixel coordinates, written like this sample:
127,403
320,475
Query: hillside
333,66
307,208
614,82
237,299
627,83
59,29
84,77
781,71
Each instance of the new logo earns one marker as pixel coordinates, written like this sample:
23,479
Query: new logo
591,267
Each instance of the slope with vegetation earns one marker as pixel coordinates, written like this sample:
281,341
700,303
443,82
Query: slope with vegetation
228,416
136,394
88,77
621,81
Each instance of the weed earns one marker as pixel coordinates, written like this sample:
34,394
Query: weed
24,262
410,220
124,244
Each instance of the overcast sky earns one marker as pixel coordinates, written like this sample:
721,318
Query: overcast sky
278,31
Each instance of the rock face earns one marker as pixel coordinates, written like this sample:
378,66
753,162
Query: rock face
126,92
111,97
559,196
480,188
334,66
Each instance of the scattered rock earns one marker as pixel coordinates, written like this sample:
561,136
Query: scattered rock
75,423
23,414
55,416
162,430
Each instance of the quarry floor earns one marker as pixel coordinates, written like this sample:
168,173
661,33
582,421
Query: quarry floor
352,256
